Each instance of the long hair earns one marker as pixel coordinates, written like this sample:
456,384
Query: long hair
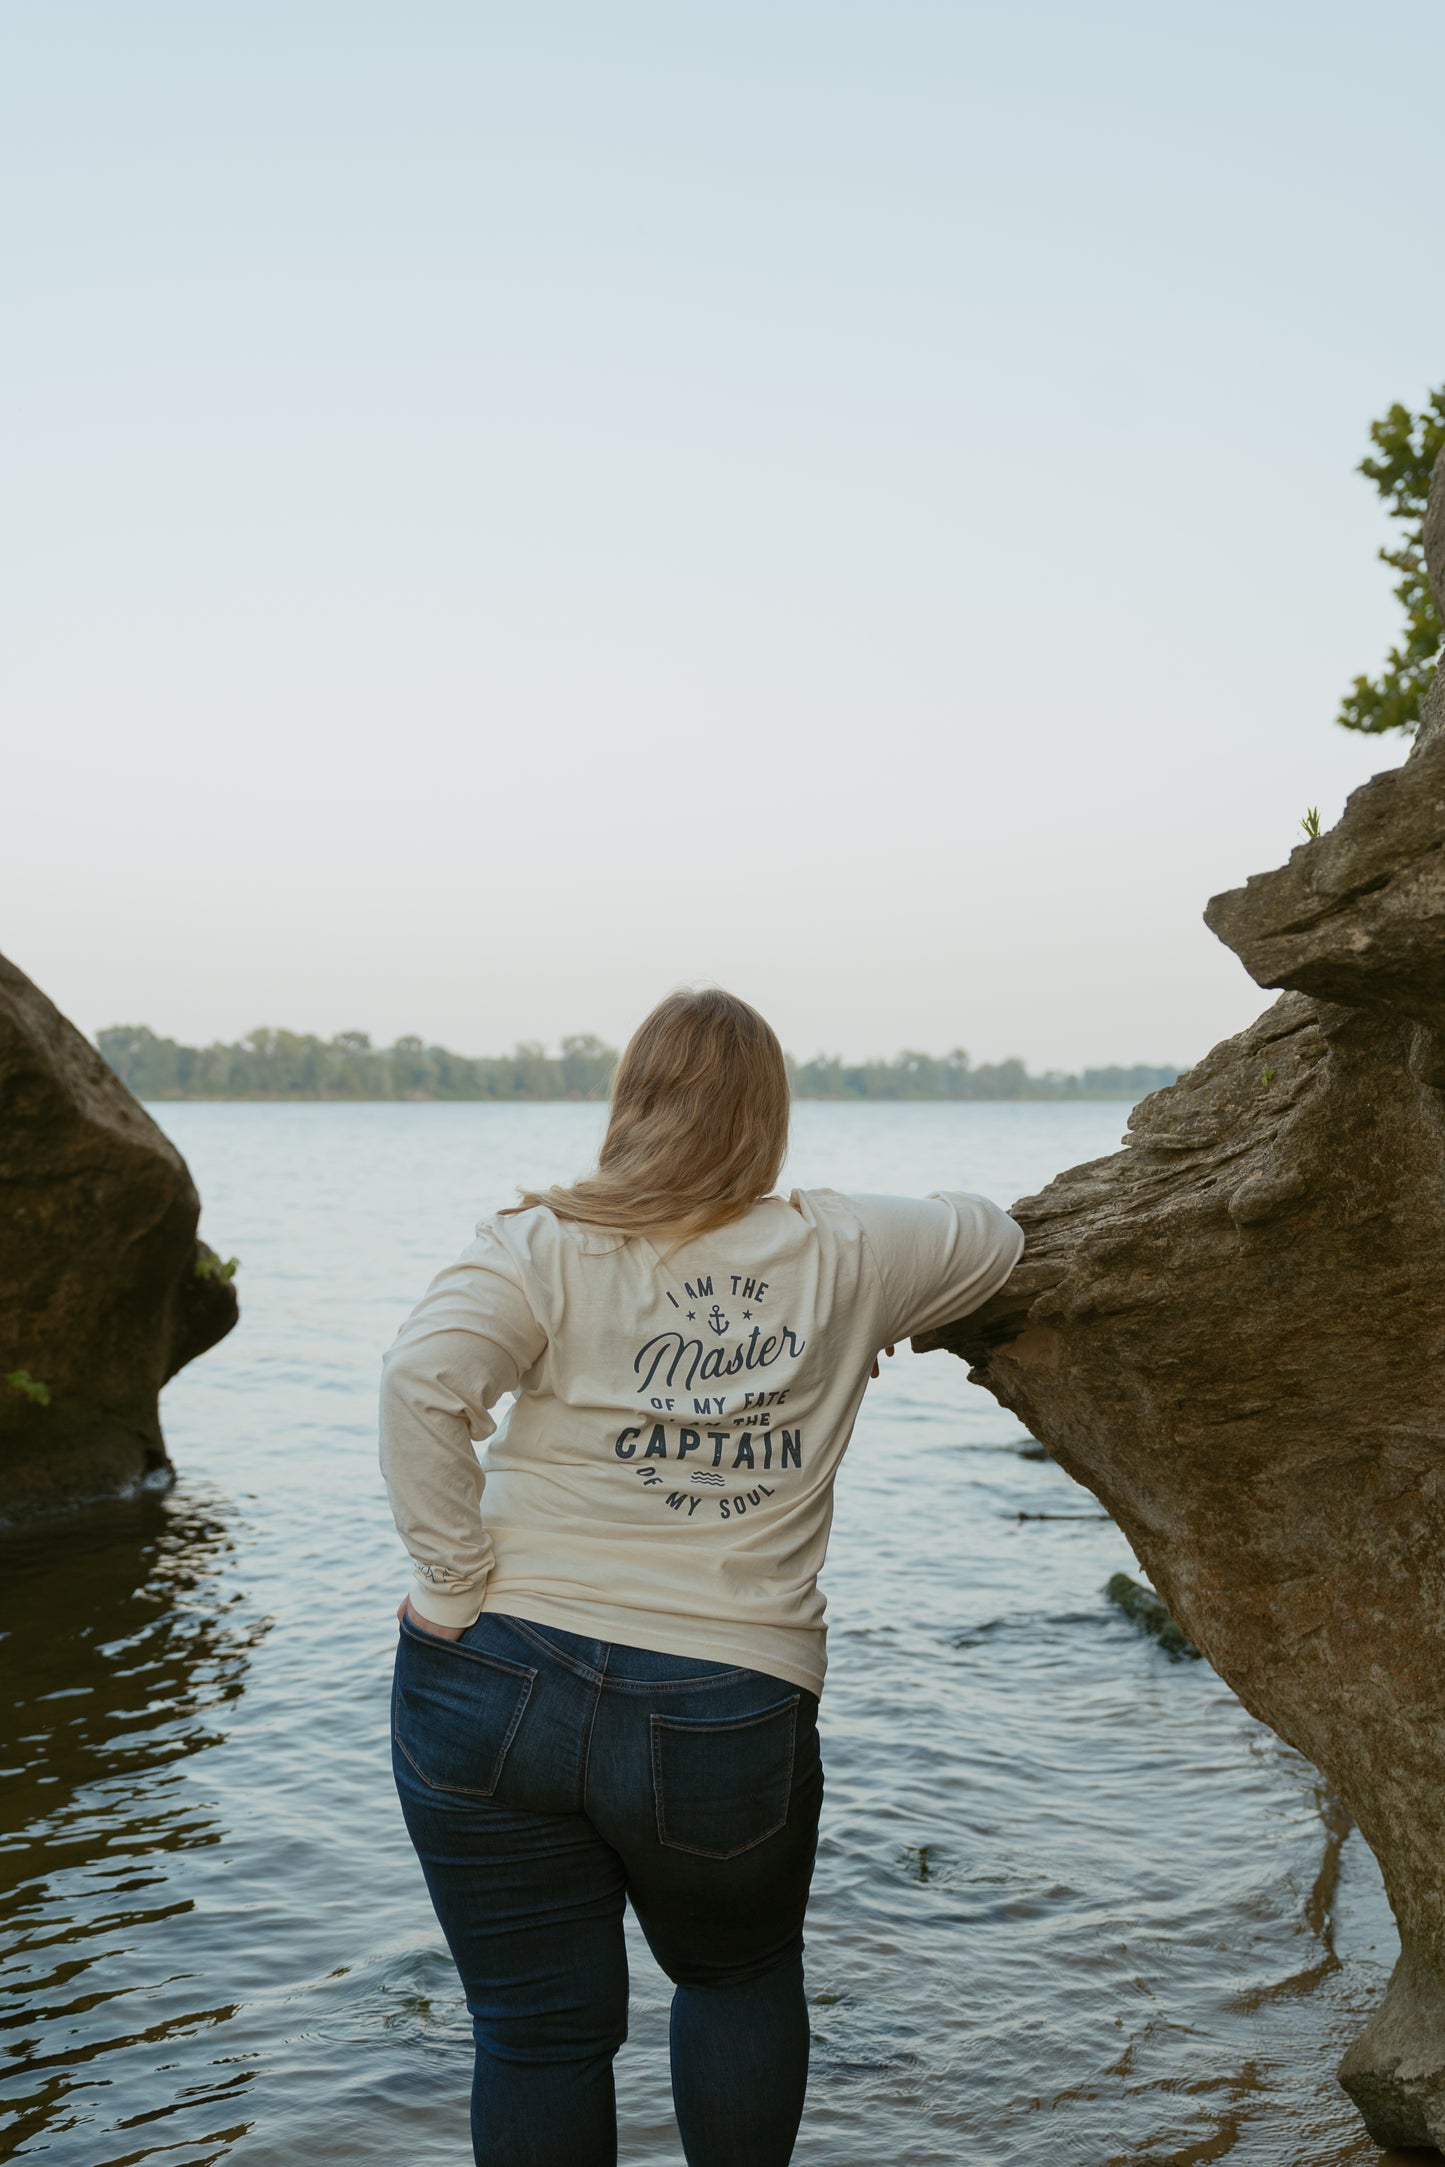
699,1122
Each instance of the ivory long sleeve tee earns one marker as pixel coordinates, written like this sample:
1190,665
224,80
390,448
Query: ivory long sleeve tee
664,1475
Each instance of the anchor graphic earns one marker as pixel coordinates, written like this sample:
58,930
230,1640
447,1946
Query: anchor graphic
717,1320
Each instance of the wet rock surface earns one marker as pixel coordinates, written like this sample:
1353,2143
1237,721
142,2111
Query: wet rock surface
105,1291
1233,1333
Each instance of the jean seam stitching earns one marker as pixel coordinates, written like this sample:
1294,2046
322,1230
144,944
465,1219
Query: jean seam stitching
559,1655
585,1761
626,1685
693,1729
677,1685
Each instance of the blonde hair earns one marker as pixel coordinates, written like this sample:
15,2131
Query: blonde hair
699,1122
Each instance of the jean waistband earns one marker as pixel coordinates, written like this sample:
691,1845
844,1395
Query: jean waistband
614,1663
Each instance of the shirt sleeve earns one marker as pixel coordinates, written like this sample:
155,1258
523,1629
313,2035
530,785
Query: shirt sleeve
471,1337
938,1257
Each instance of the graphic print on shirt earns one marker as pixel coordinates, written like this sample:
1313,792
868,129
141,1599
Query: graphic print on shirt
737,1427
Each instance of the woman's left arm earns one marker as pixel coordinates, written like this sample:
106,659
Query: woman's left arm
470,1339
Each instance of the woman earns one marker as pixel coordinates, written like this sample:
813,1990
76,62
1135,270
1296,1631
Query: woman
610,1660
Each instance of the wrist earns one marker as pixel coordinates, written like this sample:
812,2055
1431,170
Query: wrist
444,1609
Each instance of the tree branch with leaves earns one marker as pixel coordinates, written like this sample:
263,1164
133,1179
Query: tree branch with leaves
1406,448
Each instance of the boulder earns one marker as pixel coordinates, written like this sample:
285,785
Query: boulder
105,1291
1233,1331
1432,535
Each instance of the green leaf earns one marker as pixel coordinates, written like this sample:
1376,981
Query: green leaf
30,1388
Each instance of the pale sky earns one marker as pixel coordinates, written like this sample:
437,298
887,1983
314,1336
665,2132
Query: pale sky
510,509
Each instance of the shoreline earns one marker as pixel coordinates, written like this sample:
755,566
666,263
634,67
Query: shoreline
433,1098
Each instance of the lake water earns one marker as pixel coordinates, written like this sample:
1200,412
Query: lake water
1073,1907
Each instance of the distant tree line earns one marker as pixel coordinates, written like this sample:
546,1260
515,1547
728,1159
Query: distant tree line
296,1065
953,1076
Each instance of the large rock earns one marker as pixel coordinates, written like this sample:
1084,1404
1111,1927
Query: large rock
1433,533
1232,1332
104,1290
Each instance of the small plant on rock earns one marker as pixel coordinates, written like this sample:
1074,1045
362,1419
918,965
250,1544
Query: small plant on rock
30,1388
213,1268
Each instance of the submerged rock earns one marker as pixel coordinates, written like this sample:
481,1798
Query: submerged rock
1232,1333
1142,1607
105,1291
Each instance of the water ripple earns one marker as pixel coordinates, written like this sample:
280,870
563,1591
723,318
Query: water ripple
1074,1908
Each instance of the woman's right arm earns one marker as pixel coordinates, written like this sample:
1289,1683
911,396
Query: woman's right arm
471,1338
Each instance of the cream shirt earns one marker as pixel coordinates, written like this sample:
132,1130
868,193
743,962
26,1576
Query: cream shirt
664,1475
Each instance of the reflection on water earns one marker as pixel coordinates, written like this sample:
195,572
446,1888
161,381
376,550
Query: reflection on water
1074,1908
121,1648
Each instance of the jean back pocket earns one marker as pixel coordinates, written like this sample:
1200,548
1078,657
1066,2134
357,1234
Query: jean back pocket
455,1712
721,1787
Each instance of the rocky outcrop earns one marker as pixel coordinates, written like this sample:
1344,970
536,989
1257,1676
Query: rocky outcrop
105,1291
1233,1333
1433,534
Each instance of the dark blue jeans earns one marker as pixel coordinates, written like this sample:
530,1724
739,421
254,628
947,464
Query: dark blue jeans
545,1780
